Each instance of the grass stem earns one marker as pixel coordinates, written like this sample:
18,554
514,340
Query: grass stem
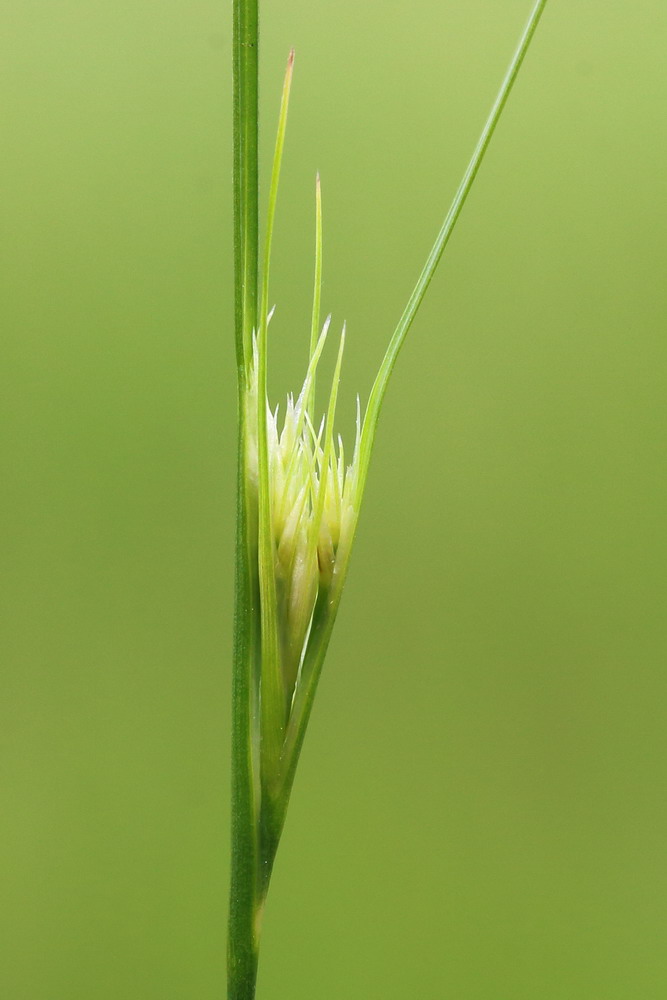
243,902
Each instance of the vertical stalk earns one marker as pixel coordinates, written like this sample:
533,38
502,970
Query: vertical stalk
246,184
243,931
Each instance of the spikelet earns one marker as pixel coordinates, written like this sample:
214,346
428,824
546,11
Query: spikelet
313,502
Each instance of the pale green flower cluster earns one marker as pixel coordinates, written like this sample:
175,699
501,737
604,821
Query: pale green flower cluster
313,504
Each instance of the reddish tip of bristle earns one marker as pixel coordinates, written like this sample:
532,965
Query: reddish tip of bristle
290,61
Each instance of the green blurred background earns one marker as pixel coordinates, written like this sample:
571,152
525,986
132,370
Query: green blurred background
480,811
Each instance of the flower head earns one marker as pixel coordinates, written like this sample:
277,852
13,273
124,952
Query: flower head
313,503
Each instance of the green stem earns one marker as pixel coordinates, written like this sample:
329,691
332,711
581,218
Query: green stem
245,862
246,167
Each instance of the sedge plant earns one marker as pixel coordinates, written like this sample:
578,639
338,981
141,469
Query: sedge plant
298,502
